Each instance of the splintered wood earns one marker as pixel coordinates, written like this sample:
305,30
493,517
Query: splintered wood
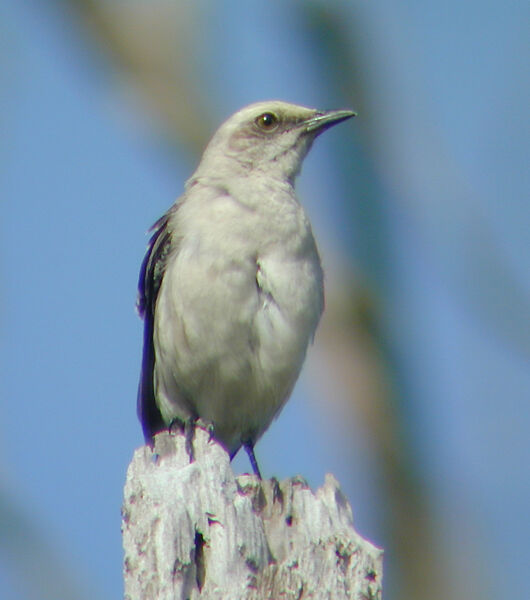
192,530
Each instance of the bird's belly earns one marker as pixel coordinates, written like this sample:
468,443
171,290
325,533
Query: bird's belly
234,346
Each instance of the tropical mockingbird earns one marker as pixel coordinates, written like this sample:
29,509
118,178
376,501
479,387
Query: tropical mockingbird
231,287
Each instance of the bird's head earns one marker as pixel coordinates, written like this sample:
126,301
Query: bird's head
270,138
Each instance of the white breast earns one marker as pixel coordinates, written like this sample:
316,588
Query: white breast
237,308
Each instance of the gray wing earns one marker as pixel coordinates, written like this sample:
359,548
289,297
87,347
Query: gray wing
150,280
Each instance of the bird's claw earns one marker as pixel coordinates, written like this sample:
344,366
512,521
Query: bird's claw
176,426
208,427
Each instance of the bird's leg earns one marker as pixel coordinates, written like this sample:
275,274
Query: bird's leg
187,427
208,427
189,432
176,425
249,447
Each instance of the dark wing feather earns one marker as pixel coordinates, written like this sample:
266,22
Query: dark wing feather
151,275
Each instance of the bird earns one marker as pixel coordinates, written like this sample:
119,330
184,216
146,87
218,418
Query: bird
231,288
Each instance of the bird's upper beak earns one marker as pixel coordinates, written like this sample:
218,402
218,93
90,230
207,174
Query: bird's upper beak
324,120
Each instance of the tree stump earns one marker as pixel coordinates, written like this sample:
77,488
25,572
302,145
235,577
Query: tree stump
192,530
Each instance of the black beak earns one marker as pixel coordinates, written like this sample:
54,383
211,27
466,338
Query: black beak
324,120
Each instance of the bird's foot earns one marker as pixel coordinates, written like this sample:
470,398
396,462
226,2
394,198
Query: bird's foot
208,427
187,427
249,447
189,432
176,426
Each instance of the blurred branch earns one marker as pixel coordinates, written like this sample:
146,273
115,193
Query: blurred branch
150,46
357,347
427,180
357,355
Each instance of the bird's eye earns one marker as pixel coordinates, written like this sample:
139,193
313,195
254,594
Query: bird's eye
267,121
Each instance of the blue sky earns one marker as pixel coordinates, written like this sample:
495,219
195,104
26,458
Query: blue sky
82,180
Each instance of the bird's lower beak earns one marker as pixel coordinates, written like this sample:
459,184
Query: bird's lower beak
324,120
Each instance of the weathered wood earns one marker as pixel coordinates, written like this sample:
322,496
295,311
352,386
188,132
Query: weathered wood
194,530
